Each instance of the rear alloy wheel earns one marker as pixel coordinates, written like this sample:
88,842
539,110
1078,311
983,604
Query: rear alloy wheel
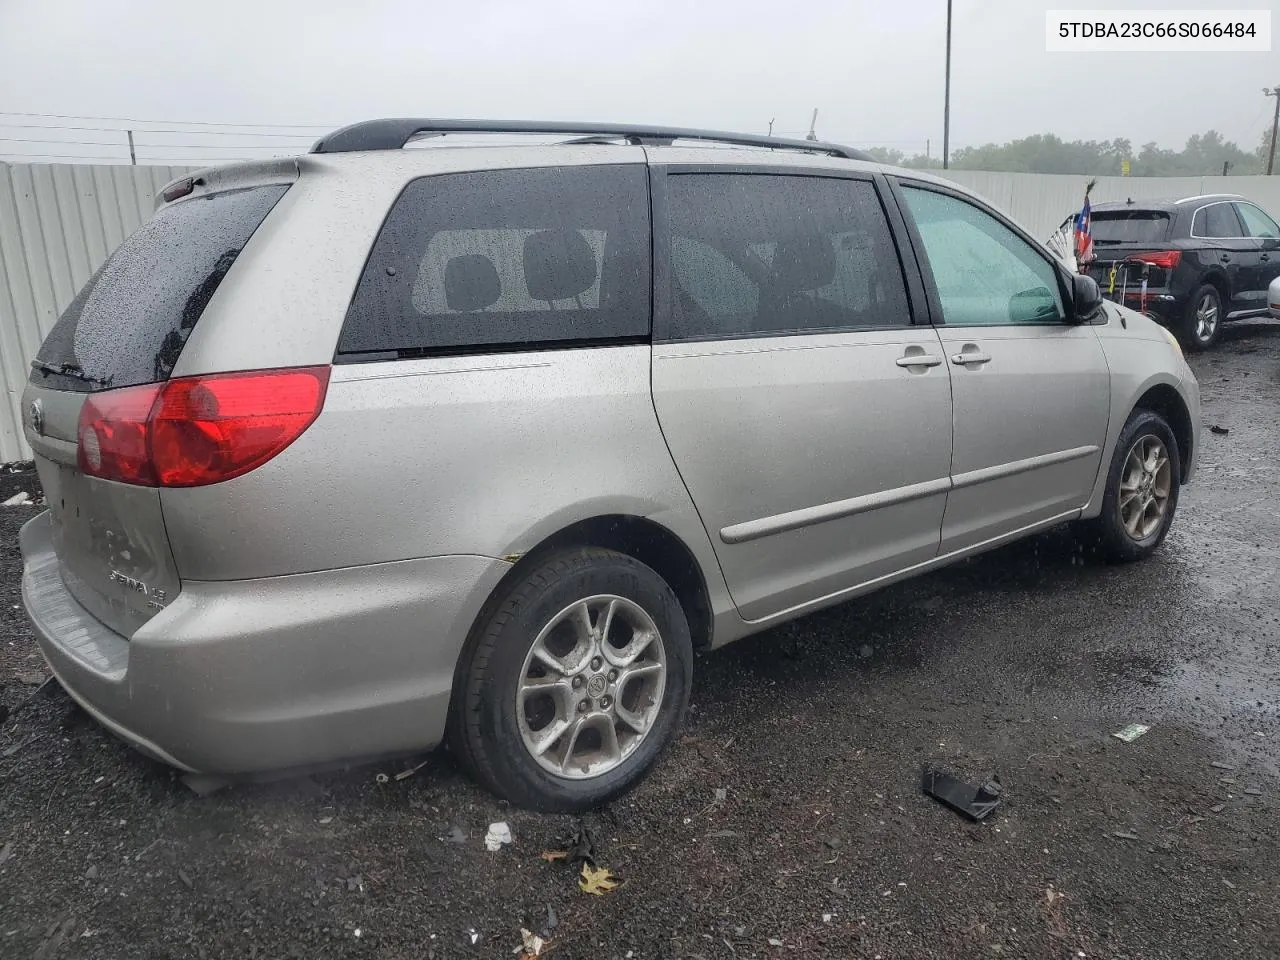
592,687
574,683
1203,318
1142,491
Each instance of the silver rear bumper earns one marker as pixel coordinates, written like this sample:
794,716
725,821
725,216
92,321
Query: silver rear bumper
249,676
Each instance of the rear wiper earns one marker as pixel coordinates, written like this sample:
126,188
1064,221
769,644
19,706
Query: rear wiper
68,370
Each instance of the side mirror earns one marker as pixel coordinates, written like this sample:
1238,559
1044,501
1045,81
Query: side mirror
1086,297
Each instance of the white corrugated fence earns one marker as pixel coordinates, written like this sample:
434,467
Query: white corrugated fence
1041,201
59,222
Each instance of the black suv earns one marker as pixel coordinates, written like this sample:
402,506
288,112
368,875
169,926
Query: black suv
1204,259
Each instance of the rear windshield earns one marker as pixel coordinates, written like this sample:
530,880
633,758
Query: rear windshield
1129,226
129,323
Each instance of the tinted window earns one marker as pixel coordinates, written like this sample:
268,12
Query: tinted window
506,258
1216,220
129,323
1129,226
753,254
1257,222
984,272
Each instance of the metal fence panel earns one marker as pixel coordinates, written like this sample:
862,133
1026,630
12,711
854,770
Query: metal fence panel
58,224
1040,202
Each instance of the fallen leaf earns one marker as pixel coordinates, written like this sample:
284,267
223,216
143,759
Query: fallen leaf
596,882
531,945
551,856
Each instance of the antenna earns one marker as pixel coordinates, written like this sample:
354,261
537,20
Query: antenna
813,123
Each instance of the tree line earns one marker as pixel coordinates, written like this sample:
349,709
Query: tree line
1203,154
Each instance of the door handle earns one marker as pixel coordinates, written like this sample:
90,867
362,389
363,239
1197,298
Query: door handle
964,359
918,360
1266,256
1225,258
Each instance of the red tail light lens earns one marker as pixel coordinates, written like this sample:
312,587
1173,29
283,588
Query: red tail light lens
113,434
194,431
1165,258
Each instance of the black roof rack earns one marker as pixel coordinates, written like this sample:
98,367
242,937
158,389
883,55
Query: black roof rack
392,134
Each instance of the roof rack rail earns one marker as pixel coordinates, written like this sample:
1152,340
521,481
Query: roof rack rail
392,134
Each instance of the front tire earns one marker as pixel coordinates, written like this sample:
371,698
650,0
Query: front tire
1142,489
1202,319
574,682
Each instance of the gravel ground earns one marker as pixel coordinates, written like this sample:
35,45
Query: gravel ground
1022,662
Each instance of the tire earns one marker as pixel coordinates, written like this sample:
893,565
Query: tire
1108,534
580,768
1202,319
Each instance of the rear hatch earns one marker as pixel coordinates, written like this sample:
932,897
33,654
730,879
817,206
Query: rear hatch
127,327
1125,242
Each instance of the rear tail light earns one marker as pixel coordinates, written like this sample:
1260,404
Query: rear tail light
1165,258
193,431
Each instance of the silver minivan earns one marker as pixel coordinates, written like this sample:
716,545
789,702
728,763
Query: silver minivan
351,454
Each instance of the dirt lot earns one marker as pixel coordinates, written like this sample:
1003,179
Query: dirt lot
1022,663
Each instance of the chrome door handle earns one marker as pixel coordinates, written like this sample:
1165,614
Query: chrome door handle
918,360
963,359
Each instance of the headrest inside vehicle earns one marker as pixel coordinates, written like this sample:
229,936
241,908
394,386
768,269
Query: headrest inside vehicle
471,283
558,265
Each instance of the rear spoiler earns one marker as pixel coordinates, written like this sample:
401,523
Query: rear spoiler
212,179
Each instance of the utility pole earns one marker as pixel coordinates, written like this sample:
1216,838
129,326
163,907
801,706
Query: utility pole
1275,123
771,127
133,157
927,143
946,107
813,122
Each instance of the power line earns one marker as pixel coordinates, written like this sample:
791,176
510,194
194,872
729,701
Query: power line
20,157
190,123
192,133
79,143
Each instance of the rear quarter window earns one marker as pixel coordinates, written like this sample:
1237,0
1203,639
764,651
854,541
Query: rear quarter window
506,259
129,323
1129,226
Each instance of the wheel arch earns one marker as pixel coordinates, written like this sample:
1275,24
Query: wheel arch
641,538
1163,399
1217,278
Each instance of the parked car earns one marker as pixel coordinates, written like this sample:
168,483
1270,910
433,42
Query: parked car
1205,260
357,452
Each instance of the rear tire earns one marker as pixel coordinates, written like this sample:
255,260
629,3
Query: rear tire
1141,495
574,683
1202,319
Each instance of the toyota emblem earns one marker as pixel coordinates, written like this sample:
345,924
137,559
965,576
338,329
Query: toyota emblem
37,417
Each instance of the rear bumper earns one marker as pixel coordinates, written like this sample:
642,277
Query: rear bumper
1162,305
257,675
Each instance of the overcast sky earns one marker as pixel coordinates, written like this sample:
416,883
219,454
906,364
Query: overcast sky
873,68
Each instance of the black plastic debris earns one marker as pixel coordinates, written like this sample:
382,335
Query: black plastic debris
976,803
582,847
1221,431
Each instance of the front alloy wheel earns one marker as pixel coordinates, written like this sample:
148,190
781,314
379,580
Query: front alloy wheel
1145,487
1141,494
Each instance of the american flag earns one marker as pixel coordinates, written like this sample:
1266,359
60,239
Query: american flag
1084,230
